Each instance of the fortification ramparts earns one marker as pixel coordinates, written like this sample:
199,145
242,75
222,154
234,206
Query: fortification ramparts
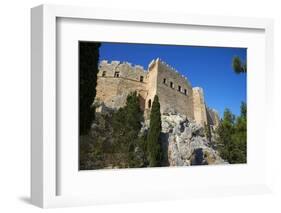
116,80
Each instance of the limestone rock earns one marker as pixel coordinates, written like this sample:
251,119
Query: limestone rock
186,143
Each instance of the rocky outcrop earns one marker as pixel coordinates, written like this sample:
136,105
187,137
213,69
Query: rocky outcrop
185,142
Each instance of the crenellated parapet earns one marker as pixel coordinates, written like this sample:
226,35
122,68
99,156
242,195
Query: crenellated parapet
170,69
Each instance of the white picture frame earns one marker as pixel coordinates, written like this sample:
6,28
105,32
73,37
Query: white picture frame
44,154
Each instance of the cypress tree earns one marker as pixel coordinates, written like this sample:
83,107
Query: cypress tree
88,69
153,142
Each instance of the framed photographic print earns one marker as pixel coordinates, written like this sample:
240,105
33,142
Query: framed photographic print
130,106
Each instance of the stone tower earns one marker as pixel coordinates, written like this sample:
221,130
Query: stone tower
200,112
174,90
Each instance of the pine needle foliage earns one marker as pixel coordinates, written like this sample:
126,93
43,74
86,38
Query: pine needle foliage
232,136
238,66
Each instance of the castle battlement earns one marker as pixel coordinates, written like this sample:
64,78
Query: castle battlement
168,66
111,64
117,79
176,73
124,70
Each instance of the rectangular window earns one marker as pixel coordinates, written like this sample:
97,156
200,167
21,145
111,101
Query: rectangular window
103,73
149,103
141,79
185,91
164,81
179,88
116,74
171,84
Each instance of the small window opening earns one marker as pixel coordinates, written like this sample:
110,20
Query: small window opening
149,103
179,88
164,81
141,79
185,91
116,74
171,84
103,73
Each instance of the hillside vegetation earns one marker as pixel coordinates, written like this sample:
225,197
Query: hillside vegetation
122,139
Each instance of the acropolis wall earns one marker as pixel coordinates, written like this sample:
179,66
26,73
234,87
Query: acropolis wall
117,79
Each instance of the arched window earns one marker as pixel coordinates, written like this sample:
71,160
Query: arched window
149,103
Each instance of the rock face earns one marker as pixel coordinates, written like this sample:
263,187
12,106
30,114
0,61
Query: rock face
185,143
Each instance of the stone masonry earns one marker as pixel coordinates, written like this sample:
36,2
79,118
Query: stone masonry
116,80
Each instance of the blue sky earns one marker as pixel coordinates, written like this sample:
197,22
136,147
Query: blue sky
206,67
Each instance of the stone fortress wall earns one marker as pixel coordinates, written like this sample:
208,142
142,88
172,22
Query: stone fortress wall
174,90
116,80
